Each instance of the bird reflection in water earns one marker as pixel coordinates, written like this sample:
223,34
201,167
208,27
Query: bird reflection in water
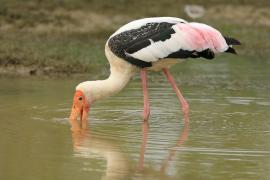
85,144
182,137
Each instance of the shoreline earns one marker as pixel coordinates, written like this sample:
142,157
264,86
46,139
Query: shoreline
35,71
27,71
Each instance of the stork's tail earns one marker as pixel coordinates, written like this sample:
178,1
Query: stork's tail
231,41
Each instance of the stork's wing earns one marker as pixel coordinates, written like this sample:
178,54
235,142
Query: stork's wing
182,40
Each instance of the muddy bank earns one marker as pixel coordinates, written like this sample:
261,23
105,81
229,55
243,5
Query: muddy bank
25,71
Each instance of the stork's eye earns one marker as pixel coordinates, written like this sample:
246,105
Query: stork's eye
80,98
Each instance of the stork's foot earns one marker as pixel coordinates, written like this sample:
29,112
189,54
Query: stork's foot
146,114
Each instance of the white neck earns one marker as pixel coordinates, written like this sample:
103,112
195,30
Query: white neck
95,90
121,72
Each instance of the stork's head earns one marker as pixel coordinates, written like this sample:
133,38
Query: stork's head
80,108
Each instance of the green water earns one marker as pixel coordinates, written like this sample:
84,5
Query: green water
228,136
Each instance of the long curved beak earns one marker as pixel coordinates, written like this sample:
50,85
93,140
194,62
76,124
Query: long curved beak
80,109
73,119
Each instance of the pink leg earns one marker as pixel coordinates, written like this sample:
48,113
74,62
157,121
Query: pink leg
182,100
146,106
146,112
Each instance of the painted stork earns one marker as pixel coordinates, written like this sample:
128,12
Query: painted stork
144,45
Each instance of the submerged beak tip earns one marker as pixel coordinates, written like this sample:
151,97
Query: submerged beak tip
79,111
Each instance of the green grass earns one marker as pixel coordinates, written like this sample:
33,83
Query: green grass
59,53
67,36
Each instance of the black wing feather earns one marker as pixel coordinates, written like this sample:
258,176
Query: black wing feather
232,41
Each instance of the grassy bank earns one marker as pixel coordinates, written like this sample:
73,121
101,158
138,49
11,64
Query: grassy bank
40,37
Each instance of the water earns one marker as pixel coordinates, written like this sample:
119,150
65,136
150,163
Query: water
228,136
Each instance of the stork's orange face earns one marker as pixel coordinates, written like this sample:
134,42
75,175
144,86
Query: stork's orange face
80,108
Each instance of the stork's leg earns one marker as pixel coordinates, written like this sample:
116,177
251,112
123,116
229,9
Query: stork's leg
181,99
146,106
146,112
